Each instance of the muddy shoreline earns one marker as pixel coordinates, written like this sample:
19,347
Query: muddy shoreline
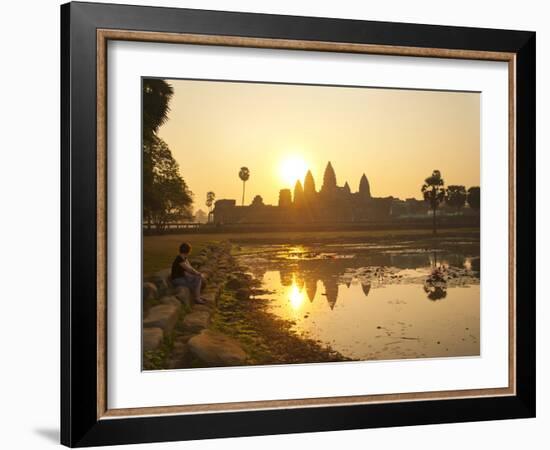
267,338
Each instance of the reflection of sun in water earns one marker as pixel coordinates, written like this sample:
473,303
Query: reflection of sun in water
295,295
292,168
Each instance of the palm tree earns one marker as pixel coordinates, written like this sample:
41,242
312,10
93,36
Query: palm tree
210,197
244,174
156,99
434,192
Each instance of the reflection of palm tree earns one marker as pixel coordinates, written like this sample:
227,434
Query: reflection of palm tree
434,192
435,292
436,284
366,288
244,175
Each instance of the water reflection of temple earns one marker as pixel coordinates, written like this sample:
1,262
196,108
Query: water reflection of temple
305,277
366,288
316,276
311,287
331,290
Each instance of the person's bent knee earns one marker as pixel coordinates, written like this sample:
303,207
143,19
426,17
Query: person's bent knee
195,279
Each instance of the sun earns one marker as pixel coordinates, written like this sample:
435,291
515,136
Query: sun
291,169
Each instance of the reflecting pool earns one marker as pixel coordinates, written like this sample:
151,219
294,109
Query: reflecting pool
385,300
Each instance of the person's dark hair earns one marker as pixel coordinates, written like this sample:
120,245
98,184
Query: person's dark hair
185,248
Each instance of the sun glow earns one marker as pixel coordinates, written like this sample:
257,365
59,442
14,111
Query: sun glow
291,169
296,295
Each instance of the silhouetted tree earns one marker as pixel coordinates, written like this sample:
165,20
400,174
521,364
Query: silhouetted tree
165,194
434,193
156,95
257,201
156,98
244,175
285,198
474,197
456,196
168,198
210,197
201,216
298,194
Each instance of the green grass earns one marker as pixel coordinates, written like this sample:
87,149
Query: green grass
160,251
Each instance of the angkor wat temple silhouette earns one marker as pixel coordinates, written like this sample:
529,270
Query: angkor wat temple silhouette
331,204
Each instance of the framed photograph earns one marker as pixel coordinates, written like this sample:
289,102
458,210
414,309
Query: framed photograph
278,224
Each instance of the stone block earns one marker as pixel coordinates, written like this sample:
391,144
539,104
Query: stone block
196,321
150,291
170,300
162,316
152,338
217,349
183,295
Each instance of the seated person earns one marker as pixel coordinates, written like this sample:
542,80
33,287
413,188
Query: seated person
183,274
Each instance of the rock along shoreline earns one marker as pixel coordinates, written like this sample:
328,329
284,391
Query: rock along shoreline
233,328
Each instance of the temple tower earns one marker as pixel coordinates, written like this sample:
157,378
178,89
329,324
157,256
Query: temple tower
329,179
364,188
298,194
309,186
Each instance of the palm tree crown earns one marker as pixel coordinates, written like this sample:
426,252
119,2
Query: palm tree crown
244,175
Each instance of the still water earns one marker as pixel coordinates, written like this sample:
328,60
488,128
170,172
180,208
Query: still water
376,301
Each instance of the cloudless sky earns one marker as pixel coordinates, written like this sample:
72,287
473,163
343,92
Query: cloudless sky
396,137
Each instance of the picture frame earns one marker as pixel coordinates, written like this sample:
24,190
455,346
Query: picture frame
86,29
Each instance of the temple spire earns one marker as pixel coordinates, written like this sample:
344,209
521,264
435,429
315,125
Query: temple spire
309,186
364,187
329,179
298,193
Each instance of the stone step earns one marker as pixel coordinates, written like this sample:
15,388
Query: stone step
162,316
217,349
179,358
170,300
183,295
195,321
152,338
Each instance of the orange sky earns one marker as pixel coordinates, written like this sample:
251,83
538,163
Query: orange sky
397,137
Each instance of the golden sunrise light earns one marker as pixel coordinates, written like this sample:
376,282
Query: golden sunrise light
295,295
341,223
292,169
279,132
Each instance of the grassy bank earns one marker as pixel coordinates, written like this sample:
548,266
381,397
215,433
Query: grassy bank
158,251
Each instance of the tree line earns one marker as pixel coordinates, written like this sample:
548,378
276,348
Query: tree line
455,196
166,197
